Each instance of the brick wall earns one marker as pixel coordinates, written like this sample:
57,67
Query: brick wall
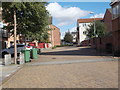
54,35
116,40
108,20
116,29
111,41
102,43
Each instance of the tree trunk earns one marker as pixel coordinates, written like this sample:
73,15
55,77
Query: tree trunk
15,46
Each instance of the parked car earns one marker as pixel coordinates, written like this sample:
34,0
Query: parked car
10,50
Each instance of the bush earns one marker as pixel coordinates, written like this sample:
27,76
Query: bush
54,47
63,45
60,46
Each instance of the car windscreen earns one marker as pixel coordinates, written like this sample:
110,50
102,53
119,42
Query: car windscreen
20,45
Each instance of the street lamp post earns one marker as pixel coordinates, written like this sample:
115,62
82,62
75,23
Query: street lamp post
94,24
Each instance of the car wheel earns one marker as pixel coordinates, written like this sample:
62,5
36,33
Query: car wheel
12,55
4,53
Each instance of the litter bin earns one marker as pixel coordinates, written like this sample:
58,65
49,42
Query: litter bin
34,53
26,55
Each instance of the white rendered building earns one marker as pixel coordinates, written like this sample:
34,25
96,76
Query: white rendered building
82,25
74,34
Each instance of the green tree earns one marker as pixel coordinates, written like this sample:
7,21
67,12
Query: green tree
32,18
99,29
68,37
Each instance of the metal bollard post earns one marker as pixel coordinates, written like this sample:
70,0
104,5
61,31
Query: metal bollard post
7,59
21,59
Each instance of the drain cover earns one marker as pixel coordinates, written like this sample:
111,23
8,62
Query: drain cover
53,58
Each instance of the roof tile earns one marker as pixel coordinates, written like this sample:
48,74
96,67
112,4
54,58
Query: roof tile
88,20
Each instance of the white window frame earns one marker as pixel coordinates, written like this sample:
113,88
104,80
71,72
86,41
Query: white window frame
115,11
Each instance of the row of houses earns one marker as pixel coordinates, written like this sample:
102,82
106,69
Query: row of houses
110,41
6,39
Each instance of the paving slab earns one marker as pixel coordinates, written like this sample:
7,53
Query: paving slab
75,75
6,71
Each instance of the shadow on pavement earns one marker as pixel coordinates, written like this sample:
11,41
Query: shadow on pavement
79,52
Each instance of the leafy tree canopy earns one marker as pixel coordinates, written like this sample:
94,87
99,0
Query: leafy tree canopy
100,29
32,18
68,37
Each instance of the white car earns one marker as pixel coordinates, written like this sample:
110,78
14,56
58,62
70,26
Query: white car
20,47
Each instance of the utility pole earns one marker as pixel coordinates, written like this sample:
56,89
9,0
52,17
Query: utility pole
94,27
94,24
15,46
51,33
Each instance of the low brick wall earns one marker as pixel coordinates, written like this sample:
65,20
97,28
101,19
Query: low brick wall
116,40
85,43
102,43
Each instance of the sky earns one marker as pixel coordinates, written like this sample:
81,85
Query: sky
65,14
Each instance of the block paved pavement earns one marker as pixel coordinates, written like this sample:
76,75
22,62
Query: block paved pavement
98,74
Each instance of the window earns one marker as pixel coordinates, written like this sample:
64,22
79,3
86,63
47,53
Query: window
20,45
83,25
119,9
115,11
84,32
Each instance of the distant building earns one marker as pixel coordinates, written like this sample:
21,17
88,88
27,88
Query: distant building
82,25
74,34
54,36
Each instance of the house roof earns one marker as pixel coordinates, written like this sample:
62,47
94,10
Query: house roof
88,20
108,12
114,1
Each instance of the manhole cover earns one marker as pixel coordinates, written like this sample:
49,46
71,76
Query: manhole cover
53,58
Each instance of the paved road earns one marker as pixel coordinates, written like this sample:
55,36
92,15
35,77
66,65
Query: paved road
67,67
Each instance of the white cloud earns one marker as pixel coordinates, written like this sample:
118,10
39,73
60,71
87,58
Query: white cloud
62,35
73,29
101,15
65,16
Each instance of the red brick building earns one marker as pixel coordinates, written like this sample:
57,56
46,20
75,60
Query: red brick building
115,5
108,20
110,41
54,35
106,42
